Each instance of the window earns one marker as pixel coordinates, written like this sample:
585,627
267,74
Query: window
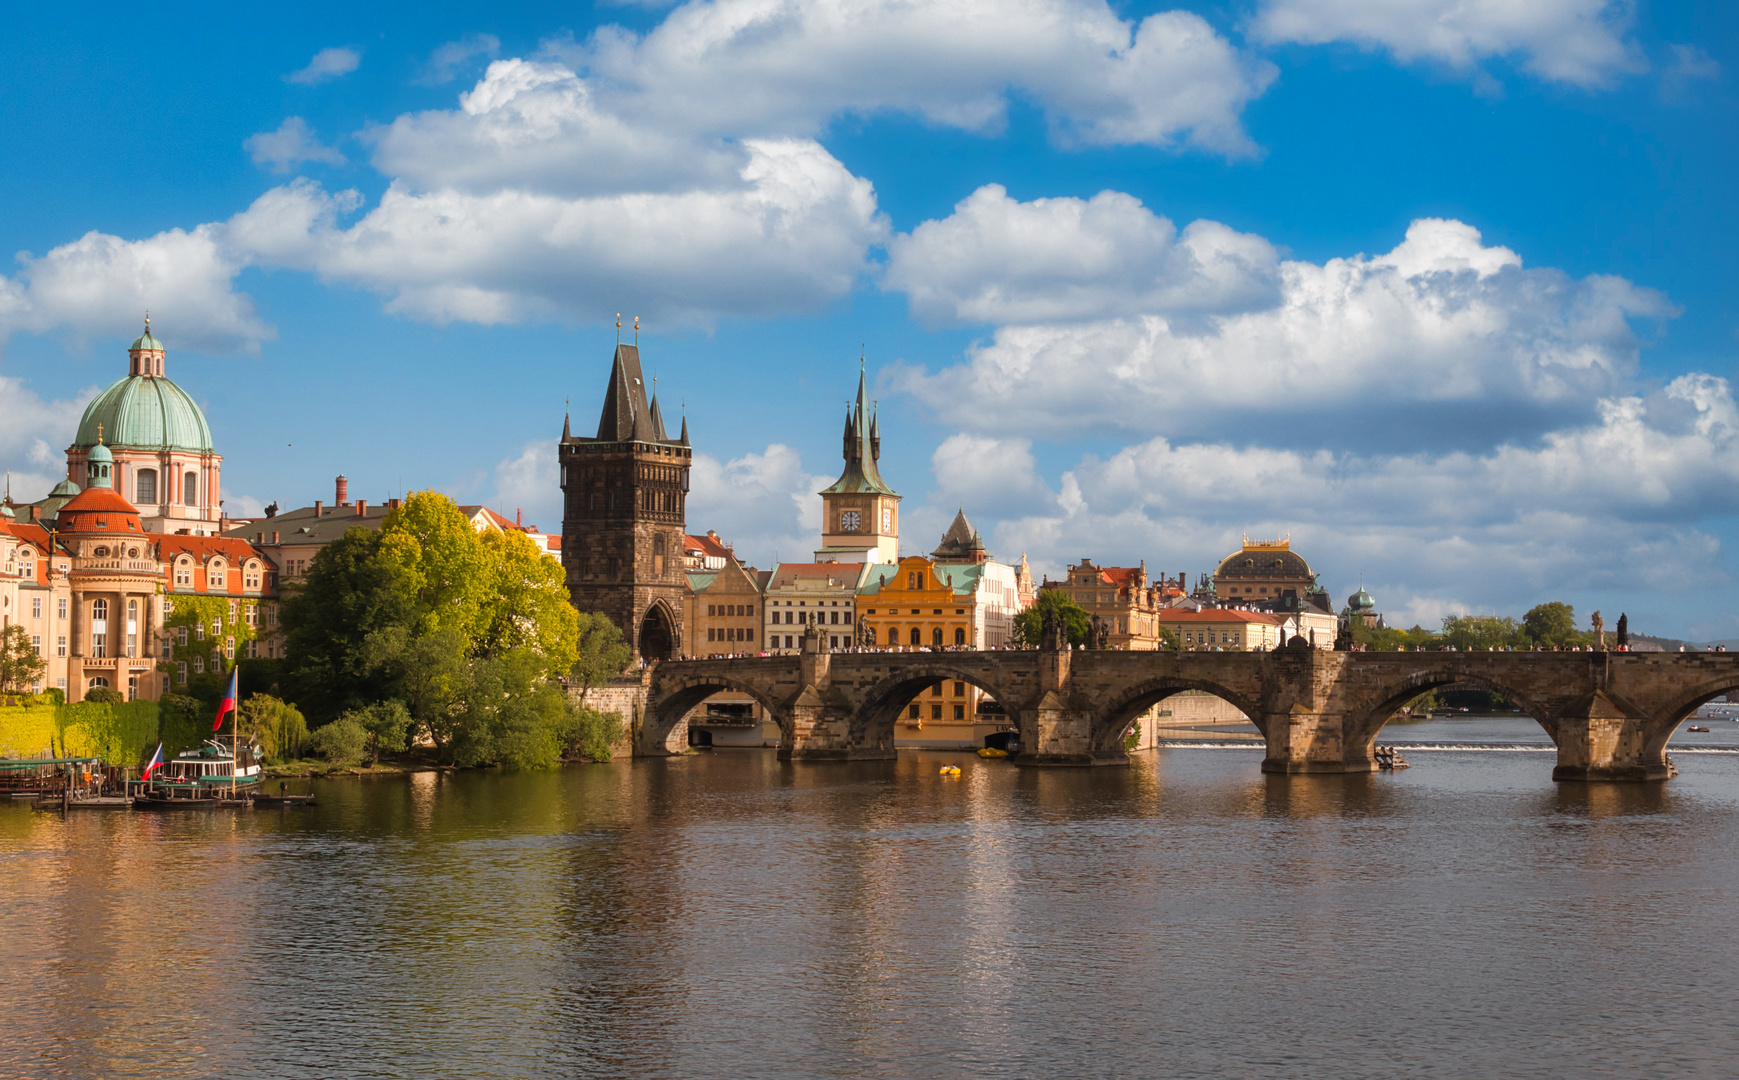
835,618
712,610
959,712
917,636
935,712
198,632
847,619
252,578
132,628
132,687
253,618
60,648
229,648
214,576
711,634
36,644
216,627
658,555
184,575
749,610
98,680
36,607
893,635
749,634
181,635
913,712
181,673
27,568
190,489
935,635
60,608
146,484
99,628
199,665
959,689
271,615
936,691
959,635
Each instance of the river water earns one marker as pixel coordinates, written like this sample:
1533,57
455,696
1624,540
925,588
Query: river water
726,915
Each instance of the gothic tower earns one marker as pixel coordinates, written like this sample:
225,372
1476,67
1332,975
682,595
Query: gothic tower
860,513
622,518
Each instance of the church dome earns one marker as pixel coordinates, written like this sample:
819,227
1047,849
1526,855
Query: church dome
1360,601
145,412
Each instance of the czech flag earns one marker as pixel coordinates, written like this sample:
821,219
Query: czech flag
154,764
227,705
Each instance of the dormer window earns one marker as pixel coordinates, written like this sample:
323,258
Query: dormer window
100,553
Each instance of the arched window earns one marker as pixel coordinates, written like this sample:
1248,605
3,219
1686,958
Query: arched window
658,555
98,680
146,485
936,635
893,635
99,609
917,636
215,576
132,628
190,489
959,635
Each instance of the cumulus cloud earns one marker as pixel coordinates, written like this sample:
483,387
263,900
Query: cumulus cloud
1612,505
327,65
34,435
764,504
289,146
1442,320
792,234
530,482
102,285
997,260
1581,42
769,66
446,60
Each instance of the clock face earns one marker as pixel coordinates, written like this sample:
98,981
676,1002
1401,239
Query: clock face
850,520
887,519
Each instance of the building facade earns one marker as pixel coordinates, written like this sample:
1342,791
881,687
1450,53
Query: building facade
1121,599
822,595
1264,570
624,493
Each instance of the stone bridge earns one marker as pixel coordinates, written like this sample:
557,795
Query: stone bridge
1610,714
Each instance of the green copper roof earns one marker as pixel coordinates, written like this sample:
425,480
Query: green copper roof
145,412
145,341
862,448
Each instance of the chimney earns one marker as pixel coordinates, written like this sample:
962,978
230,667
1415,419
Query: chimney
392,504
319,508
362,508
517,519
342,498
36,513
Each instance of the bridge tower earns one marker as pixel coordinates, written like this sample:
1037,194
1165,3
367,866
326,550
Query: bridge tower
623,504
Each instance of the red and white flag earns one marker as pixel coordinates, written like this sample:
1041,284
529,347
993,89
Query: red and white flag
227,705
154,764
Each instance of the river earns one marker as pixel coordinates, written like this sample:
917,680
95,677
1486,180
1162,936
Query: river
726,915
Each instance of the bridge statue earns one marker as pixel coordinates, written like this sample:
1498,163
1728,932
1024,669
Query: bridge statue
1610,714
1599,632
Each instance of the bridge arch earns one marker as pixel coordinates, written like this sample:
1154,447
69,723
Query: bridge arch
1115,718
1367,718
1665,724
673,696
879,706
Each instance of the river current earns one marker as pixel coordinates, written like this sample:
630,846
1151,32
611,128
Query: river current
726,915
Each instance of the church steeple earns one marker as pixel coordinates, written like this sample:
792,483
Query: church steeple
863,448
860,512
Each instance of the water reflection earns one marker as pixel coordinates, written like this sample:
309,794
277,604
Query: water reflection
730,914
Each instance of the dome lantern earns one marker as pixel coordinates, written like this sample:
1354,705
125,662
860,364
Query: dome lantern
145,410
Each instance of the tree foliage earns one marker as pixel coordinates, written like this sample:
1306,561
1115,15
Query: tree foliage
340,742
347,595
278,725
386,723
20,665
1029,624
1551,623
1465,632
601,650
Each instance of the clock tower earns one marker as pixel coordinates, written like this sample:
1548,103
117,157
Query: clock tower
860,513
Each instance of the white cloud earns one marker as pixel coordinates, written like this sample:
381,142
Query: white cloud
760,67
764,504
445,62
102,285
1688,65
998,260
328,64
791,234
1442,320
1614,505
1581,42
33,435
530,482
291,145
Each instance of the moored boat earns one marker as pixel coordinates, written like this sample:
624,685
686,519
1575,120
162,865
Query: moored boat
208,776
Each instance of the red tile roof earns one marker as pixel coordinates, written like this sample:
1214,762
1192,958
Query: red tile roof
203,548
1221,615
706,545
98,510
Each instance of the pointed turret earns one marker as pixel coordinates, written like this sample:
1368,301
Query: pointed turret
960,544
625,407
862,449
875,436
657,421
684,439
567,433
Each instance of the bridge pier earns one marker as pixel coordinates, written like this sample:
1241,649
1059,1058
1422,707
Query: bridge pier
1606,738
1302,740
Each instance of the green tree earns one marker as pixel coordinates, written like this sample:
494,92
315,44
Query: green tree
1168,639
20,664
1029,624
105,695
387,723
600,651
182,723
278,725
590,735
1479,632
440,562
1552,623
340,742
530,607
348,596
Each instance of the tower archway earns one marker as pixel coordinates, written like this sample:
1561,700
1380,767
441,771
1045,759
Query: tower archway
656,638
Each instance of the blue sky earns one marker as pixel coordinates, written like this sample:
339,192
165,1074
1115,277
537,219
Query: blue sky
1443,290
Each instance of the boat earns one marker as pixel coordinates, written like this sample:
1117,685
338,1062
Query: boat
991,752
1696,727
203,778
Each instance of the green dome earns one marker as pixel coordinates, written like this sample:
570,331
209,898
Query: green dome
145,341
145,412
101,453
